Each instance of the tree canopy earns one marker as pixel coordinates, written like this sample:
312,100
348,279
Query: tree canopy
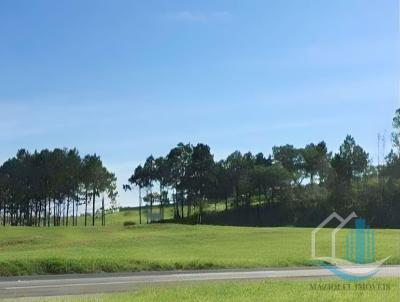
36,187
299,184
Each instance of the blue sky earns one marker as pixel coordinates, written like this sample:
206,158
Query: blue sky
126,79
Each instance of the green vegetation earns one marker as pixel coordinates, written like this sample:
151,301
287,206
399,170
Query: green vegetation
46,188
295,291
291,186
116,218
26,250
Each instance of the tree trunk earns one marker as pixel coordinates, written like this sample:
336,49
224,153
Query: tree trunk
76,214
40,214
94,205
11,212
86,202
151,207
182,206
237,195
45,212
4,214
49,213
161,204
54,212
20,216
189,208
63,214
176,202
30,217
67,211
73,212
140,205
103,217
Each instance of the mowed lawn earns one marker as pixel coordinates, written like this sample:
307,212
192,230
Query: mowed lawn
387,290
30,250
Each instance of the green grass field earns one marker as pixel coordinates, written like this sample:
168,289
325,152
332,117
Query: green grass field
386,290
30,250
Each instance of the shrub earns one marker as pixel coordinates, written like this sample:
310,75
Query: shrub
129,223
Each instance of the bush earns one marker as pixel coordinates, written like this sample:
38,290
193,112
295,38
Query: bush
129,223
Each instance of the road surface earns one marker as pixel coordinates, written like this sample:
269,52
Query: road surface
59,285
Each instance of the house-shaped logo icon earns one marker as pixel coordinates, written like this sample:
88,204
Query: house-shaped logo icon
360,250
343,222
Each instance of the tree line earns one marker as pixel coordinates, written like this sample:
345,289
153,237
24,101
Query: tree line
297,186
46,188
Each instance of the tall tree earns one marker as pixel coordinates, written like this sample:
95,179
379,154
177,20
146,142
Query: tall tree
73,178
97,180
37,188
138,180
236,169
292,160
201,175
178,160
162,177
224,185
349,166
315,162
149,177
351,161
396,130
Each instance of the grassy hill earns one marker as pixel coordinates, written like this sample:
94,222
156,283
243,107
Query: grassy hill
29,250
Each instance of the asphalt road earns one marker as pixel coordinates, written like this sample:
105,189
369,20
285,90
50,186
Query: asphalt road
59,285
